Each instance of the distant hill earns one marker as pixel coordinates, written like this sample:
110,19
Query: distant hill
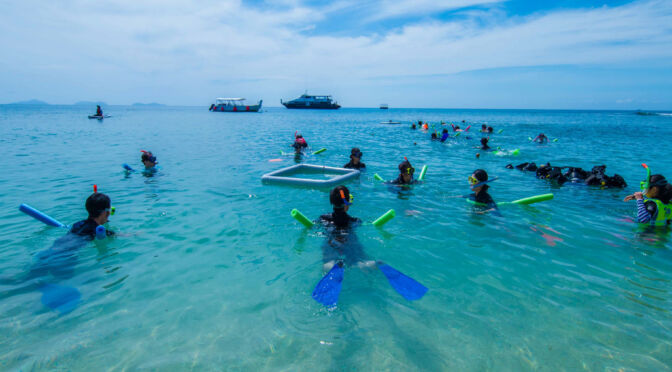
90,103
153,104
30,102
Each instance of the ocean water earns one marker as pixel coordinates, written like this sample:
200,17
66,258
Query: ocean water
210,272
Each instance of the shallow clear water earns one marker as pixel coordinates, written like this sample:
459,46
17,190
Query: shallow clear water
213,273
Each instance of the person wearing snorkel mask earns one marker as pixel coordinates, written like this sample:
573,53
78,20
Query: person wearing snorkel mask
299,143
653,204
478,183
342,245
355,160
484,144
148,160
406,172
444,135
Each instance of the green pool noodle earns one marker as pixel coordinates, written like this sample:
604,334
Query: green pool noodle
555,140
377,177
530,139
500,131
530,200
457,134
422,173
319,151
515,152
384,218
301,218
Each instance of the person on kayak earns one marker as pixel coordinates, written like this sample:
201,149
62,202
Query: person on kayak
99,111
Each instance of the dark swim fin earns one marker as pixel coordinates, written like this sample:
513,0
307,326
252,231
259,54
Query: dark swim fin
61,298
404,285
327,290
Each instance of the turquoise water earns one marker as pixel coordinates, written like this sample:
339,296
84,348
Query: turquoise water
212,272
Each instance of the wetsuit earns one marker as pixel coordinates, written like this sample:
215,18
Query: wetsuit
444,137
299,145
400,181
484,199
352,165
342,243
87,228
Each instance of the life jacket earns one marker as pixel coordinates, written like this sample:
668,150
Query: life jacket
664,215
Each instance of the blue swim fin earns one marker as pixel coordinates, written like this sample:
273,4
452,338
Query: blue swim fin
60,298
405,286
327,290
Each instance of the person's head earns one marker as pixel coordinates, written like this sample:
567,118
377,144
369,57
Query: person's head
457,127
98,205
148,159
484,141
434,135
490,129
406,171
340,198
659,188
97,106
478,178
355,155
413,126
484,127
444,130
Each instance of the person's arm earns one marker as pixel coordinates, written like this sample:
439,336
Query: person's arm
646,211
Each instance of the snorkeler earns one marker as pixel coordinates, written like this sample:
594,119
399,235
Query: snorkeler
653,204
489,130
343,249
484,144
478,183
406,172
98,205
355,159
299,143
484,128
425,126
444,135
434,136
148,160
413,126
541,138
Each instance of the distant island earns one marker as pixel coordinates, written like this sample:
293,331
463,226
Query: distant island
153,104
30,102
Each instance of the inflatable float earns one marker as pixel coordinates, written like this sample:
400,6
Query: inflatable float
292,175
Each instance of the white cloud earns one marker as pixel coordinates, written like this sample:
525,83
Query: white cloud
180,49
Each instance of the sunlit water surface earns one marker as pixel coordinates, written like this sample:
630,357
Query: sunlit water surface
211,272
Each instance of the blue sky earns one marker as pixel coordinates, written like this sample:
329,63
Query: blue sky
572,54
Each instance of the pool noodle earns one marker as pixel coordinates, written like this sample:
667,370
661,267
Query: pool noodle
422,173
100,232
377,177
128,167
301,218
533,199
32,212
380,221
319,151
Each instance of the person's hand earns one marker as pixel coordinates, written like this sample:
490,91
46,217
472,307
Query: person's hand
638,195
628,198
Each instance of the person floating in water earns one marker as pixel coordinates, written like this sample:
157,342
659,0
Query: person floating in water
355,159
413,126
343,249
406,172
484,128
99,111
148,160
653,204
98,205
299,143
434,136
484,144
541,138
490,130
444,135
478,182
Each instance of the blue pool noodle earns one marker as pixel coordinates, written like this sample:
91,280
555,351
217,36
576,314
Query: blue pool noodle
100,232
128,168
32,212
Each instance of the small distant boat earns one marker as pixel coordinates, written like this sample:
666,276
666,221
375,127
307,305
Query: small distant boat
99,117
390,122
234,105
384,106
312,102
645,113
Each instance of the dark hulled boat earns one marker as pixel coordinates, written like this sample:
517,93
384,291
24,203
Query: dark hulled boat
312,102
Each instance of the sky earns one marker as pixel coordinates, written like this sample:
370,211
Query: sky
520,54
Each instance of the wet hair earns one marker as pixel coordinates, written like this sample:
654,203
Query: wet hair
484,126
664,187
484,141
356,152
482,176
413,126
490,129
404,165
97,203
457,127
147,156
335,196
434,135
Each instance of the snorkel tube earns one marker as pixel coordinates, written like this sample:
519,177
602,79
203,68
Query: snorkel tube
644,185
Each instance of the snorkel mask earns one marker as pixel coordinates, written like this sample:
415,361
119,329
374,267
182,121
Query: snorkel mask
150,156
345,200
474,183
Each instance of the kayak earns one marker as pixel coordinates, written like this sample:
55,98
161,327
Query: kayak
98,117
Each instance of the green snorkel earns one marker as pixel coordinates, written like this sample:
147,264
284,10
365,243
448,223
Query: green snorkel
644,185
